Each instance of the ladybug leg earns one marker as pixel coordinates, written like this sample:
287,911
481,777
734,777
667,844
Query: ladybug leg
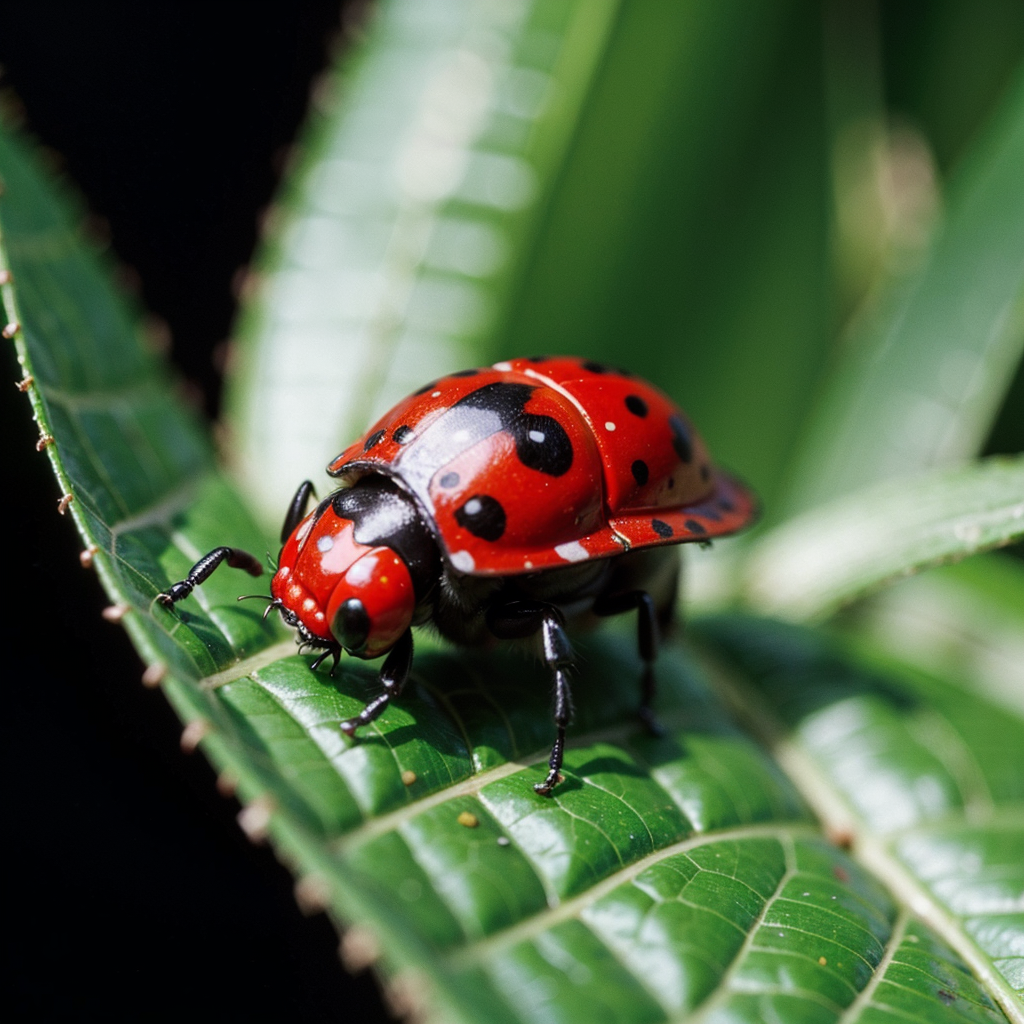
333,651
235,557
297,509
648,638
519,619
393,675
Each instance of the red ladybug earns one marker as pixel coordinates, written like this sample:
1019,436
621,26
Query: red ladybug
499,504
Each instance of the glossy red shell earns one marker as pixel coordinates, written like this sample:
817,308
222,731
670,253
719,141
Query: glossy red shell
484,454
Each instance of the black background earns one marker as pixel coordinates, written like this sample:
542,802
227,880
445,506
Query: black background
132,893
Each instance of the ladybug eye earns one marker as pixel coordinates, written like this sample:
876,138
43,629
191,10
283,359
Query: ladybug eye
352,625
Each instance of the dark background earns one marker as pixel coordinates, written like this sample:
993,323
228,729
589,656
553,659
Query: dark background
136,895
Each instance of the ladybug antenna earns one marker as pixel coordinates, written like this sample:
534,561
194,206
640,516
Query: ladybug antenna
252,597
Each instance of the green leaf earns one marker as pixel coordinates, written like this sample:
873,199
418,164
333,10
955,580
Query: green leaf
922,777
922,374
829,556
443,216
699,157
668,874
139,472
426,166
967,619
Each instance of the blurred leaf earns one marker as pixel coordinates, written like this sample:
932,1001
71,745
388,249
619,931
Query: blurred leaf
699,158
965,620
667,874
427,164
922,375
444,216
829,556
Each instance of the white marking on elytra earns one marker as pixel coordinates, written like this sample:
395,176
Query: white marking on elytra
573,551
324,544
435,394
504,367
462,560
609,425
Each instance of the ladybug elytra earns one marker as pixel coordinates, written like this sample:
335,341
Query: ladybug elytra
499,504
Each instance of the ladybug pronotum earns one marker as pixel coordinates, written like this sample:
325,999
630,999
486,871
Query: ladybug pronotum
499,504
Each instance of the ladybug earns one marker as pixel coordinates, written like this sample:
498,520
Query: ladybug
499,504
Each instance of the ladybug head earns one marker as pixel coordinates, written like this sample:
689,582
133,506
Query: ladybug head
340,580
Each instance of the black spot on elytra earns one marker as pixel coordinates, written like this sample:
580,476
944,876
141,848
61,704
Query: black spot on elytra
426,387
541,442
591,367
465,373
681,438
640,472
449,480
694,527
661,528
403,434
375,438
636,405
536,359
726,505
483,516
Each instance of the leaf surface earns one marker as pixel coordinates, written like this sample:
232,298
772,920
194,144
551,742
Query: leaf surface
921,776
